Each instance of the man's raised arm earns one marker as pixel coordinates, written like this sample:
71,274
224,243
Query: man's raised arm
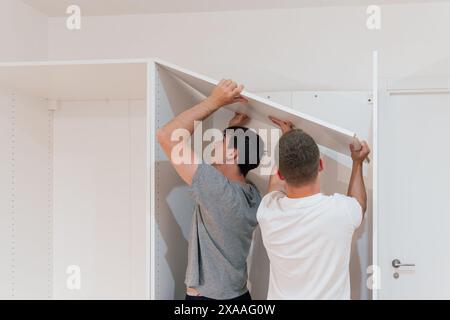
275,182
226,92
356,188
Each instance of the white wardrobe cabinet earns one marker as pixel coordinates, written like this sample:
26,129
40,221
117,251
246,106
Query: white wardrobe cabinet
177,89
74,180
91,208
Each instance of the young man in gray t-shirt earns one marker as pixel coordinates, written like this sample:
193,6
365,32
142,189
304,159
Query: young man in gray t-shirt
226,204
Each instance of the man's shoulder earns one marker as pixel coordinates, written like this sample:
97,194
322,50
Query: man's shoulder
269,202
245,194
207,170
207,177
272,196
340,198
253,190
349,207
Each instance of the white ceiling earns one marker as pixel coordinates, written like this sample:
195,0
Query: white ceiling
57,8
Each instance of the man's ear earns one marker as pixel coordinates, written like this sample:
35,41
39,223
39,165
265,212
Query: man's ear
280,175
321,165
232,155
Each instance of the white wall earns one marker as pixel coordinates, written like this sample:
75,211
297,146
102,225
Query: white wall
300,49
308,49
23,31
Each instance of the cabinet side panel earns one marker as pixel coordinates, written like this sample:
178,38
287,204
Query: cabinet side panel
5,192
27,217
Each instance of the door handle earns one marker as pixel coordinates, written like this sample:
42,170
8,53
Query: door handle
397,264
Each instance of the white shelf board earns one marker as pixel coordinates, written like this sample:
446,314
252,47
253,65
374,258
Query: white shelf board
325,134
78,80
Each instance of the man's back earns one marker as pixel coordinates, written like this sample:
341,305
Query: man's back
221,234
308,241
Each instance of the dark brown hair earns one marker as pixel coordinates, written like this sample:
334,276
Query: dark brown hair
249,145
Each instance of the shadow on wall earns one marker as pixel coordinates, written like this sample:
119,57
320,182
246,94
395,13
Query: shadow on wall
259,268
174,205
258,261
174,213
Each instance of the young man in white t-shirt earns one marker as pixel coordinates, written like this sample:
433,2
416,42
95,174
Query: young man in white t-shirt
308,235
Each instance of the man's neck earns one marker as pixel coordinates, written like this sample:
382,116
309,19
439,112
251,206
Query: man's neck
232,173
303,191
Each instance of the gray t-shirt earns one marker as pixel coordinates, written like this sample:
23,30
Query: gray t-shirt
221,234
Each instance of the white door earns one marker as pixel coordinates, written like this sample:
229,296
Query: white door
414,196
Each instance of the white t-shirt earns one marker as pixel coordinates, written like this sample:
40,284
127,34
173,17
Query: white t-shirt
308,241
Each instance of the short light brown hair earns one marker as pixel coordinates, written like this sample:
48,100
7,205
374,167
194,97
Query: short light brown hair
298,158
